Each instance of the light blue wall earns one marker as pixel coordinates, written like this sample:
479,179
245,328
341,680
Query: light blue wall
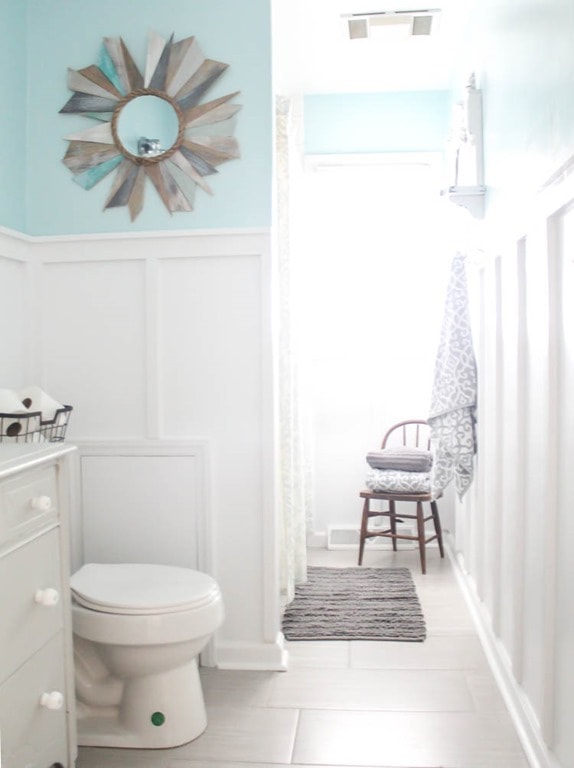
415,121
12,112
524,55
64,34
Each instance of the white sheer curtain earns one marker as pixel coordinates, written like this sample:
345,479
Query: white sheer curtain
294,502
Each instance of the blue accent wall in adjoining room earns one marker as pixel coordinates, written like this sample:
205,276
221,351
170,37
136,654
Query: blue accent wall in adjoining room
64,35
12,113
402,121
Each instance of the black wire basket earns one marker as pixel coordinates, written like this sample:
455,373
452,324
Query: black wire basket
30,428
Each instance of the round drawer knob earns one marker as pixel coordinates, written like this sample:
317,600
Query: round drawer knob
41,503
53,700
47,597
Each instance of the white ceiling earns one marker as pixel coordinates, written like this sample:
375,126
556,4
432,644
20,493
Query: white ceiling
313,54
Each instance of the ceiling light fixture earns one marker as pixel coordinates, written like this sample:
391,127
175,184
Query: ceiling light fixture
392,25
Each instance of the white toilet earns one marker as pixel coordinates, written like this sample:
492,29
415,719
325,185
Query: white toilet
138,630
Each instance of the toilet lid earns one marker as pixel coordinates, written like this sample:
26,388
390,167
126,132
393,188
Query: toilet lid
141,589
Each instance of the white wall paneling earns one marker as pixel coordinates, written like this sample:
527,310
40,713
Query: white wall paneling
516,535
15,311
145,502
91,321
564,571
491,416
550,520
514,453
535,478
152,369
163,340
211,322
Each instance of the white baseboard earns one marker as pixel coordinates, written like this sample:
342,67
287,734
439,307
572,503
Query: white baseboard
254,656
518,704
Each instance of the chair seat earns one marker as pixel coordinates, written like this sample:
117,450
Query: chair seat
394,496
397,481
392,484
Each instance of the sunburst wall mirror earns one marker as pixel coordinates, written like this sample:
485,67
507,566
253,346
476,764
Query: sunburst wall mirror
153,125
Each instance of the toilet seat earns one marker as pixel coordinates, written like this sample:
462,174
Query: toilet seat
141,590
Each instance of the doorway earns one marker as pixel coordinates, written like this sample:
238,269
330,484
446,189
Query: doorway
368,283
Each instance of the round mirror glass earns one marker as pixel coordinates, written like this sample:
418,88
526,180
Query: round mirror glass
147,126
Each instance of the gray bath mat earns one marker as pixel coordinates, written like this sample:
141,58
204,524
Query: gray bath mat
355,604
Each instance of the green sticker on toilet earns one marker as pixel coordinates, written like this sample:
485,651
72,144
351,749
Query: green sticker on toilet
158,718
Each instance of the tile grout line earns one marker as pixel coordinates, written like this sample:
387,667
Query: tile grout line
295,732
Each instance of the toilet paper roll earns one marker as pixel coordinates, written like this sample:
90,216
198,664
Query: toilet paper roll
10,402
35,399
13,428
25,429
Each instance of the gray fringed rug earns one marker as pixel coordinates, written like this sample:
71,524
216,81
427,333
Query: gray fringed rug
355,604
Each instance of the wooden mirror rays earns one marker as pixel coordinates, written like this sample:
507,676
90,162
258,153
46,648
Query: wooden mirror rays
175,72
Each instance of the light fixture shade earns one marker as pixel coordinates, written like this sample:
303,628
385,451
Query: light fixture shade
422,25
391,26
358,28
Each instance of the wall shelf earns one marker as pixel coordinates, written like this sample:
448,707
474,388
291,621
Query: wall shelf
464,154
472,198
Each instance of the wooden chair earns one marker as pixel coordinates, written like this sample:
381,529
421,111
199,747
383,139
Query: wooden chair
411,434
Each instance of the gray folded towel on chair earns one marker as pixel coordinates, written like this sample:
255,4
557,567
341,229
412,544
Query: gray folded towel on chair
404,459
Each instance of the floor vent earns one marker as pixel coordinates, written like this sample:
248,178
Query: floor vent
347,537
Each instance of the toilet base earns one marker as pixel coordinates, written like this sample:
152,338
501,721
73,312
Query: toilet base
156,711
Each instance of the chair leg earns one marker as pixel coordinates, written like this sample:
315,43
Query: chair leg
437,526
421,535
363,534
393,522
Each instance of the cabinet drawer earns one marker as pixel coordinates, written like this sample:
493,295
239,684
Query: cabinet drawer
28,502
26,624
33,735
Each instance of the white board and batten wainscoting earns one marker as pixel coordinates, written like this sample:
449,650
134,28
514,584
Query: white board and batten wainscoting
162,343
515,529
166,341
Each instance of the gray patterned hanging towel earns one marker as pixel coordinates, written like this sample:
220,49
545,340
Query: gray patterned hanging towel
452,415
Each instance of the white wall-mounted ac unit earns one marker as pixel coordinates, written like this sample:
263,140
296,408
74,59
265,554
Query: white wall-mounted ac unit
392,26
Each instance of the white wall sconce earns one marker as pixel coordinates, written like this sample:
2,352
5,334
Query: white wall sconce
465,153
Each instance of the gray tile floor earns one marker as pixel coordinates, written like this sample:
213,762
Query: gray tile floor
368,704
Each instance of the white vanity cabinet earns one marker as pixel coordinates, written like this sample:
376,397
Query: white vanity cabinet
37,715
